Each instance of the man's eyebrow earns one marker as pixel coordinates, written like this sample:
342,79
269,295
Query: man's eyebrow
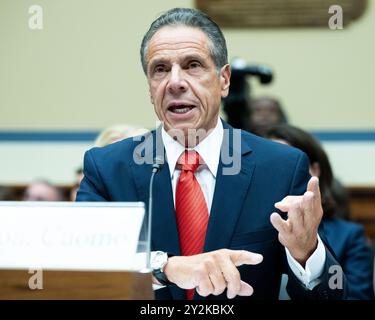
182,58
191,57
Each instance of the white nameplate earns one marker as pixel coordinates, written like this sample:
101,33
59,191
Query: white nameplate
69,236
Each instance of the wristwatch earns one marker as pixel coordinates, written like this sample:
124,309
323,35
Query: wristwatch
158,262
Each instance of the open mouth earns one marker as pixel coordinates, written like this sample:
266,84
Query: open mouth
180,109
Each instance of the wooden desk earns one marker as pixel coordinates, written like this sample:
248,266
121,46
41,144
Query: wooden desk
77,285
362,204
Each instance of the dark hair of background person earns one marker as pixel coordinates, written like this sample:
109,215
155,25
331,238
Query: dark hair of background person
341,195
190,18
302,140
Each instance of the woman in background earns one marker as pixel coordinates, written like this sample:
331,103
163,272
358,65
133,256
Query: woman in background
109,135
117,133
347,239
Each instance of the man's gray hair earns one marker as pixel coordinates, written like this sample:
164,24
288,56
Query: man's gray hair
191,18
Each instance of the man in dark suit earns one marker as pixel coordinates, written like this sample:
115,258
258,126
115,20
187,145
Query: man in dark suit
215,195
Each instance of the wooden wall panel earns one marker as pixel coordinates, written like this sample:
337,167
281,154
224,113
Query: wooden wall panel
362,203
278,13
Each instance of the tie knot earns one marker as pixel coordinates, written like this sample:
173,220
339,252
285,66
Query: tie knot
190,161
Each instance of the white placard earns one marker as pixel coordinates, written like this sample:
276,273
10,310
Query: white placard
70,236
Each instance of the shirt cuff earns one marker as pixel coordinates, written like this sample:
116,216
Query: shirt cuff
157,286
313,268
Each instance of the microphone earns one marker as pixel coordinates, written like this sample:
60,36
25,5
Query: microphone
158,164
156,167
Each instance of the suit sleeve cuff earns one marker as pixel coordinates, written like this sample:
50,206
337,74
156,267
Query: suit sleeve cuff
313,268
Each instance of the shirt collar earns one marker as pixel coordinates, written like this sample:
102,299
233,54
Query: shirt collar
208,148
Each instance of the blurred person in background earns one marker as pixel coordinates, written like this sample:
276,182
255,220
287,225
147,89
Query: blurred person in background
42,190
109,135
74,189
263,113
117,133
347,239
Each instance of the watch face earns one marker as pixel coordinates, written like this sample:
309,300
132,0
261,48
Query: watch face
159,260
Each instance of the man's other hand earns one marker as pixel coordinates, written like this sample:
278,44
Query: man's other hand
299,233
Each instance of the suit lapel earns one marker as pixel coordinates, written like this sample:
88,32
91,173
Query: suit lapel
230,191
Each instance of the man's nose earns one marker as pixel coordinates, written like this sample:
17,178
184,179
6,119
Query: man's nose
177,82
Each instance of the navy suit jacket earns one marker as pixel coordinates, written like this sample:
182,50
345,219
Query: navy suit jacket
348,242
241,207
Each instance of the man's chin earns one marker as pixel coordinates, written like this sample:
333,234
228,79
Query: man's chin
180,128
186,134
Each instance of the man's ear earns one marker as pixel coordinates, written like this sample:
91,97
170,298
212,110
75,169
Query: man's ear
225,73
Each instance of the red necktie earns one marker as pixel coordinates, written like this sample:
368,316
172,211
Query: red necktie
191,208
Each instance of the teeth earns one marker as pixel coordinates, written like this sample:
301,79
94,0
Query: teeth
181,110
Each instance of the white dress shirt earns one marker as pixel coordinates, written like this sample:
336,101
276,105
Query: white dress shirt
209,150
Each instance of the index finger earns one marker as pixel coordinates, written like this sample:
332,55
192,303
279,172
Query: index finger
240,257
